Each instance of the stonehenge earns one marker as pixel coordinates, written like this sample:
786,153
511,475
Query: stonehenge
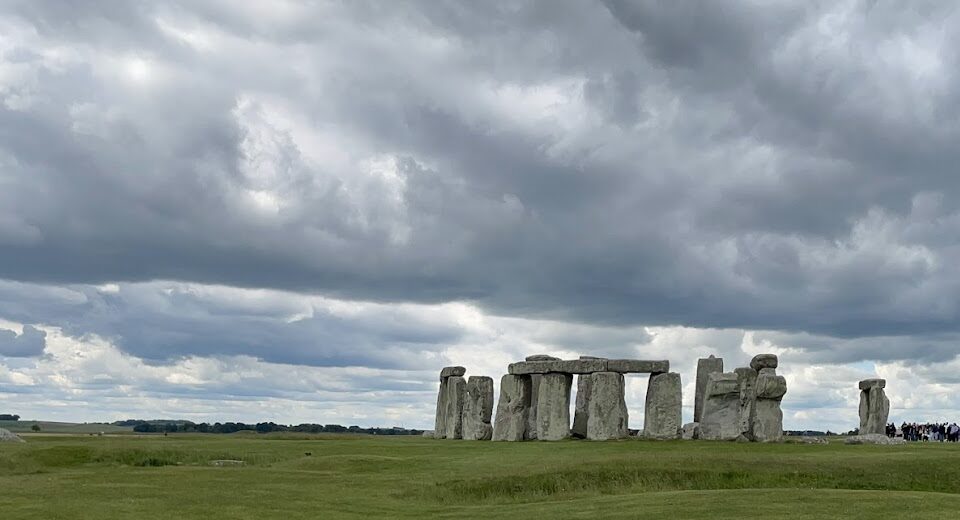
535,394
744,404
874,406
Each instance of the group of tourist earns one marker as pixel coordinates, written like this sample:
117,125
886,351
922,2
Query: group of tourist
930,432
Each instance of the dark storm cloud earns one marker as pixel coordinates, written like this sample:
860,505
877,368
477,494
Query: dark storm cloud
29,343
777,167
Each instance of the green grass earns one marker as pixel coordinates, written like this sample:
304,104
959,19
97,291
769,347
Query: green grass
390,477
62,427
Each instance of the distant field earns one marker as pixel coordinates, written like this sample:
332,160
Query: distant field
130,476
60,427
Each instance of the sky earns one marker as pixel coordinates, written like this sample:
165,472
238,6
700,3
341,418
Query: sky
302,211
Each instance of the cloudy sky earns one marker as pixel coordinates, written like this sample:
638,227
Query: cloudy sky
301,211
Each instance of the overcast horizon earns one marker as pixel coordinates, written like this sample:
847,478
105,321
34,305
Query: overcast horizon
301,211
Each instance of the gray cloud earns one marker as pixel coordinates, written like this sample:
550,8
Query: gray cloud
29,343
611,163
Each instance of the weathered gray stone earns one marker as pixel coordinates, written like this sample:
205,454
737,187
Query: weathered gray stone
427,434
873,383
764,361
691,431
874,409
721,408
8,436
638,366
569,366
770,386
531,432
662,414
541,357
478,409
440,421
513,408
607,417
581,412
747,380
553,407
768,421
705,367
873,438
452,371
456,396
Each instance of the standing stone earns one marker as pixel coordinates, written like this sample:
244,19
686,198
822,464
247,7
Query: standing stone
768,417
531,431
705,367
607,416
582,407
553,407
721,408
455,399
440,423
874,406
747,381
513,408
662,415
478,409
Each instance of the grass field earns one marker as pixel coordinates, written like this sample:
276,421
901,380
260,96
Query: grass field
129,476
62,427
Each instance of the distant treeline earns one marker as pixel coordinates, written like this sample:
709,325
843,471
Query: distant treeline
9,417
141,426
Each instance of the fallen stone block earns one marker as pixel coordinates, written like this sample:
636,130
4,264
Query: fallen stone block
691,431
874,438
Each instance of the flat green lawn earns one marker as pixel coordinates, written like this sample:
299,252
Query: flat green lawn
126,476
61,427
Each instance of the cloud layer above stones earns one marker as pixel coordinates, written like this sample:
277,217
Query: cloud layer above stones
766,166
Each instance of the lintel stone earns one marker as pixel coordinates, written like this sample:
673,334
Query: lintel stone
452,371
625,366
872,383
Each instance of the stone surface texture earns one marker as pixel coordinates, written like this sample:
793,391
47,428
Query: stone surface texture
874,408
747,381
764,361
705,367
553,407
768,416
721,408
873,383
566,366
638,366
691,431
607,417
581,412
452,371
513,408
662,413
456,396
478,409
873,438
530,433
8,436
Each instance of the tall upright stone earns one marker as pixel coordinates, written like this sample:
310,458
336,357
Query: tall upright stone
531,431
607,415
747,382
768,417
440,419
455,399
662,415
478,409
721,408
553,406
513,408
440,422
705,367
581,411
874,406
